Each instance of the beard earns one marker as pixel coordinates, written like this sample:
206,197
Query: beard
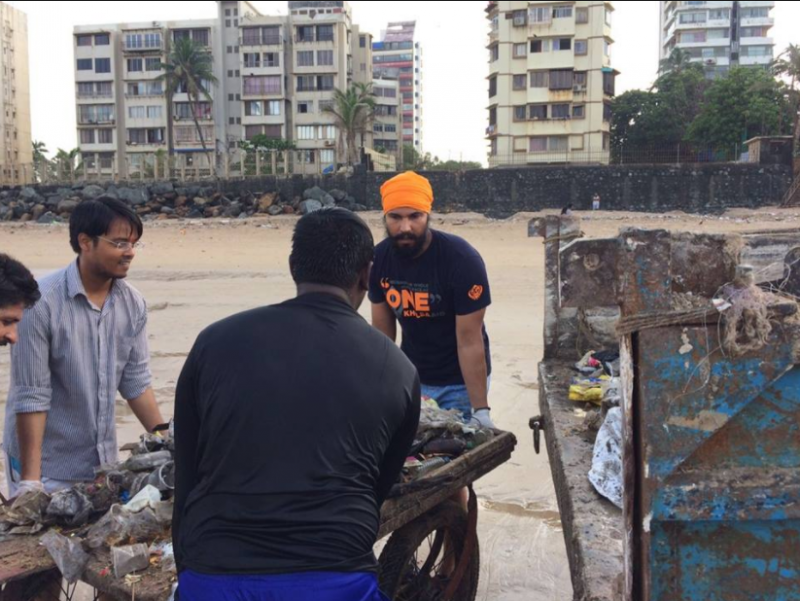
401,246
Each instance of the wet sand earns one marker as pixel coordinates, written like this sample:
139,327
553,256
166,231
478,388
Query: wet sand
193,274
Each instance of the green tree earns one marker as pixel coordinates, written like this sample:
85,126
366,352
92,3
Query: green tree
262,143
68,162
353,111
678,60
787,66
190,69
744,104
40,160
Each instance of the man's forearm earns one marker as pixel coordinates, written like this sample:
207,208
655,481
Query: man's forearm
30,433
472,359
146,410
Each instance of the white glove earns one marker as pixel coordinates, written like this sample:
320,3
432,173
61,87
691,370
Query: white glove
482,419
27,486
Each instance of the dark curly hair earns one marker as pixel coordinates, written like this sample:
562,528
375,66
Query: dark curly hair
17,285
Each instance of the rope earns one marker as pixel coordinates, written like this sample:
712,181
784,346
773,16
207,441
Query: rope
561,238
656,319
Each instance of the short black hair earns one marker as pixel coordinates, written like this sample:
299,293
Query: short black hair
330,247
94,218
17,285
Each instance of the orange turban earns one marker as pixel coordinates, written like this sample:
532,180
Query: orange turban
407,191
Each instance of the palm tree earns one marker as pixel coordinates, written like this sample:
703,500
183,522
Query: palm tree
190,69
787,65
677,61
353,111
68,162
40,160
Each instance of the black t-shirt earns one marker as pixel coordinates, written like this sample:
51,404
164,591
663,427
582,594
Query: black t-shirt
426,294
292,422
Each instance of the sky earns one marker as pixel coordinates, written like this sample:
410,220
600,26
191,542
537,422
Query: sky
453,35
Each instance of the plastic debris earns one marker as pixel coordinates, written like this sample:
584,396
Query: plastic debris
68,554
148,497
127,560
148,461
71,507
606,474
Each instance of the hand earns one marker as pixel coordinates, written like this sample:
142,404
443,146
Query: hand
482,419
27,486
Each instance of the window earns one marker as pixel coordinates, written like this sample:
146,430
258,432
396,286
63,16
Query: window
520,50
325,82
153,64
537,144
183,110
102,39
606,112
152,40
494,53
155,136
520,18
105,136
85,90
137,136
325,33
493,116
265,84
305,58
520,113
390,128
537,112
562,12
273,131
251,36
84,64
305,34
558,143
273,108
519,82
102,65
692,37
305,83
304,108
271,36
609,83
699,17
134,40
84,40
561,80
200,36
579,111
136,112
492,87
582,15
325,58
538,46
251,131
540,15
305,132
581,47
272,59
252,61
327,132
539,79
87,136
134,65
562,44
608,16
254,108
306,156
755,13
560,111
756,51
724,34
327,156
155,112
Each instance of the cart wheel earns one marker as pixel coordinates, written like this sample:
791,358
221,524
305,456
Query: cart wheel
413,560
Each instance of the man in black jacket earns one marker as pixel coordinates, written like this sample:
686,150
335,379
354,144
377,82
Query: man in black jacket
292,422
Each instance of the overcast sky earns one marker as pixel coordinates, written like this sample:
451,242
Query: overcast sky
454,35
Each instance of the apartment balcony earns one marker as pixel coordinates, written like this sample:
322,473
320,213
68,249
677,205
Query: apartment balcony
494,36
143,48
271,41
759,22
752,61
756,4
96,122
94,98
491,131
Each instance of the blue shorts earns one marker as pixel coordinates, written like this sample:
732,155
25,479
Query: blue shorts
452,397
288,587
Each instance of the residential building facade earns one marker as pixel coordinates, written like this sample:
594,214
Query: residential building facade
16,144
550,82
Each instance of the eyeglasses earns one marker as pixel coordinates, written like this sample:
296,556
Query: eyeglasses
123,245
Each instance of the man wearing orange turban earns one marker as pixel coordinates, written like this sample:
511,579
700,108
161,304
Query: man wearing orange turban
435,285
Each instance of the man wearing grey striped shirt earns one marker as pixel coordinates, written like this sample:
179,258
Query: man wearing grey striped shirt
83,342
